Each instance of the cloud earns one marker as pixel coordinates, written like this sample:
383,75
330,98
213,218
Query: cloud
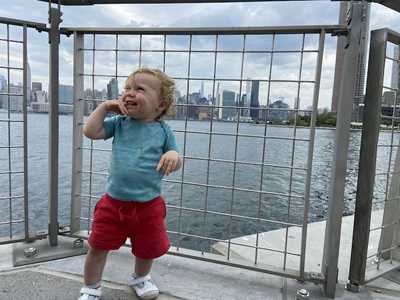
382,16
189,15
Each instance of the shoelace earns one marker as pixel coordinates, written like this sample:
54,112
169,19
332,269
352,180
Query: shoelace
140,285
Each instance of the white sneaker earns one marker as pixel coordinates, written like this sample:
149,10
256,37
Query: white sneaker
144,288
90,294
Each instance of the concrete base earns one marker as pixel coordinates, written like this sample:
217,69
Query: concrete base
41,251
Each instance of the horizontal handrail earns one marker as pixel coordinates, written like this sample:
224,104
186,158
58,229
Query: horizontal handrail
333,29
38,26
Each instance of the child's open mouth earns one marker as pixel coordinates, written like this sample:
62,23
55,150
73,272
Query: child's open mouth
131,103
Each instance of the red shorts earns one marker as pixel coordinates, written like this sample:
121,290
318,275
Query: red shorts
143,222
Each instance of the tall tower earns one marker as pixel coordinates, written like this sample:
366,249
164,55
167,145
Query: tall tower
201,89
254,113
228,99
246,112
112,89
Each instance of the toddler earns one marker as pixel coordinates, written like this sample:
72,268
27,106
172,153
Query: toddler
143,150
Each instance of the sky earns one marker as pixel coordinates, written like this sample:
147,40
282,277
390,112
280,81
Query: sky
188,15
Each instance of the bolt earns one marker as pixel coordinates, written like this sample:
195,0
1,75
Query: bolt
78,243
352,287
302,294
30,252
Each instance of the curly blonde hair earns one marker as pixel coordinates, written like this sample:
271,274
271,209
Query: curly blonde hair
167,92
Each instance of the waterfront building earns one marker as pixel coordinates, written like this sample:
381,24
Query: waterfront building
36,86
41,96
218,103
112,89
202,89
228,99
279,111
254,103
3,82
65,94
247,99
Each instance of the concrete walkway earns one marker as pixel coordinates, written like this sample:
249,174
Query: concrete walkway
177,278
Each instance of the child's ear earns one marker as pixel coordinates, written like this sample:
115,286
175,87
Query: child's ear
162,104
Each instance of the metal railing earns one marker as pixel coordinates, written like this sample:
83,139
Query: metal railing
376,242
14,217
207,173
208,228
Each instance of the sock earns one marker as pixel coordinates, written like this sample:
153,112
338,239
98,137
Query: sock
93,285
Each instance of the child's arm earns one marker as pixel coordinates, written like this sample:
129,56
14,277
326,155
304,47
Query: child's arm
94,128
170,162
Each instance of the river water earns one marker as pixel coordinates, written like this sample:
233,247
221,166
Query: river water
271,206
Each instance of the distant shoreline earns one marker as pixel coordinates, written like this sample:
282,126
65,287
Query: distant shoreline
353,127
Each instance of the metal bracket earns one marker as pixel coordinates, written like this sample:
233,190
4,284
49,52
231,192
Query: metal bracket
40,250
341,32
315,277
352,287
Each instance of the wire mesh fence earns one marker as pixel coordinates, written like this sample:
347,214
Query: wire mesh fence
244,118
13,131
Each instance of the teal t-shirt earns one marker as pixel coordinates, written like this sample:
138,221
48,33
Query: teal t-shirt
136,151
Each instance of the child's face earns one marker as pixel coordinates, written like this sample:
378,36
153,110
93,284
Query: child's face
142,97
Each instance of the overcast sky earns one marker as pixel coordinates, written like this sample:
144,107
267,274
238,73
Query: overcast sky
185,15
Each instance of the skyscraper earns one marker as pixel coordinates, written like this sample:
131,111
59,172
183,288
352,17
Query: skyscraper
228,99
112,89
202,90
255,87
65,94
3,82
247,99
218,103
36,86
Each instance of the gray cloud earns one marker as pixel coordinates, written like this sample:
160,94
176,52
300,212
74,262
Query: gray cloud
188,15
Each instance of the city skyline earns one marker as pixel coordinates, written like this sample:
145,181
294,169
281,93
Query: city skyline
225,102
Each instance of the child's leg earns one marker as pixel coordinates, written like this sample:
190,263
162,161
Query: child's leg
141,281
94,265
142,266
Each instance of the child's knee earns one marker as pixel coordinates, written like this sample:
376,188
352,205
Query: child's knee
97,253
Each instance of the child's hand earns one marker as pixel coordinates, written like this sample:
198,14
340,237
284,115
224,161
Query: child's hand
117,106
169,162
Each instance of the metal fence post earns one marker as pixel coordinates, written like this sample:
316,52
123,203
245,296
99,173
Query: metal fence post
54,41
337,184
25,117
367,164
77,132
